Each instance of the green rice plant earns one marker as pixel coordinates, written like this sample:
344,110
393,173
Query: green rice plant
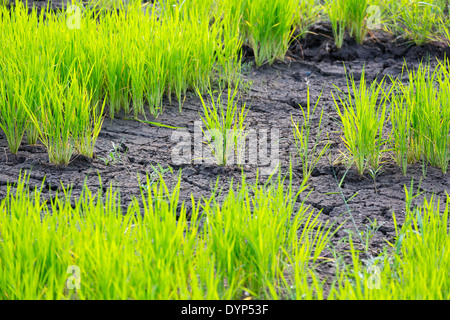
421,117
229,61
88,121
269,27
31,98
224,126
444,30
417,21
363,116
237,228
418,266
302,134
66,120
54,122
151,250
130,54
401,132
13,117
137,70
348,14
114,64
356,11
337,15
307,13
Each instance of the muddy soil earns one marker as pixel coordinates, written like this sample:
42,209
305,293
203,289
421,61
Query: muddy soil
273,98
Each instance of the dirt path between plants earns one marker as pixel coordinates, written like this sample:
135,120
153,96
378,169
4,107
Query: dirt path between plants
273,99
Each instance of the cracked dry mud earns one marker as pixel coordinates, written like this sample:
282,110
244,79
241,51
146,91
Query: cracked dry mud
273,98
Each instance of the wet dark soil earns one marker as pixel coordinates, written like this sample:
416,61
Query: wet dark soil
273,97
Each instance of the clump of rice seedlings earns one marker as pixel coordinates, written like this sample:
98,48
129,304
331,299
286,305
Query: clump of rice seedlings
337,15
417,21
66,120
445,30
309,157
108,5
363,115
13,117
307,13
151,250
54,121
421,117
236,231
356,11
417,267
224,126
268,27
229,61
348,15
401,132
131,55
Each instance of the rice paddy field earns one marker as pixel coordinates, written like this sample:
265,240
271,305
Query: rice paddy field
224,149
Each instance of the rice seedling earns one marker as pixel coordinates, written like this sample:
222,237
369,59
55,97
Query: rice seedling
306,15
337,16
153,252
229,62
421,117
66,120
31,98
363,116
268,27
444,30
348,15
224,126
309,157
13,118
131,54
356,11
417,21
401,132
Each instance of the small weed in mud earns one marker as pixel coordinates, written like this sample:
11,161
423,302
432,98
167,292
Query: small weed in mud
157,173
115,155
309,157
